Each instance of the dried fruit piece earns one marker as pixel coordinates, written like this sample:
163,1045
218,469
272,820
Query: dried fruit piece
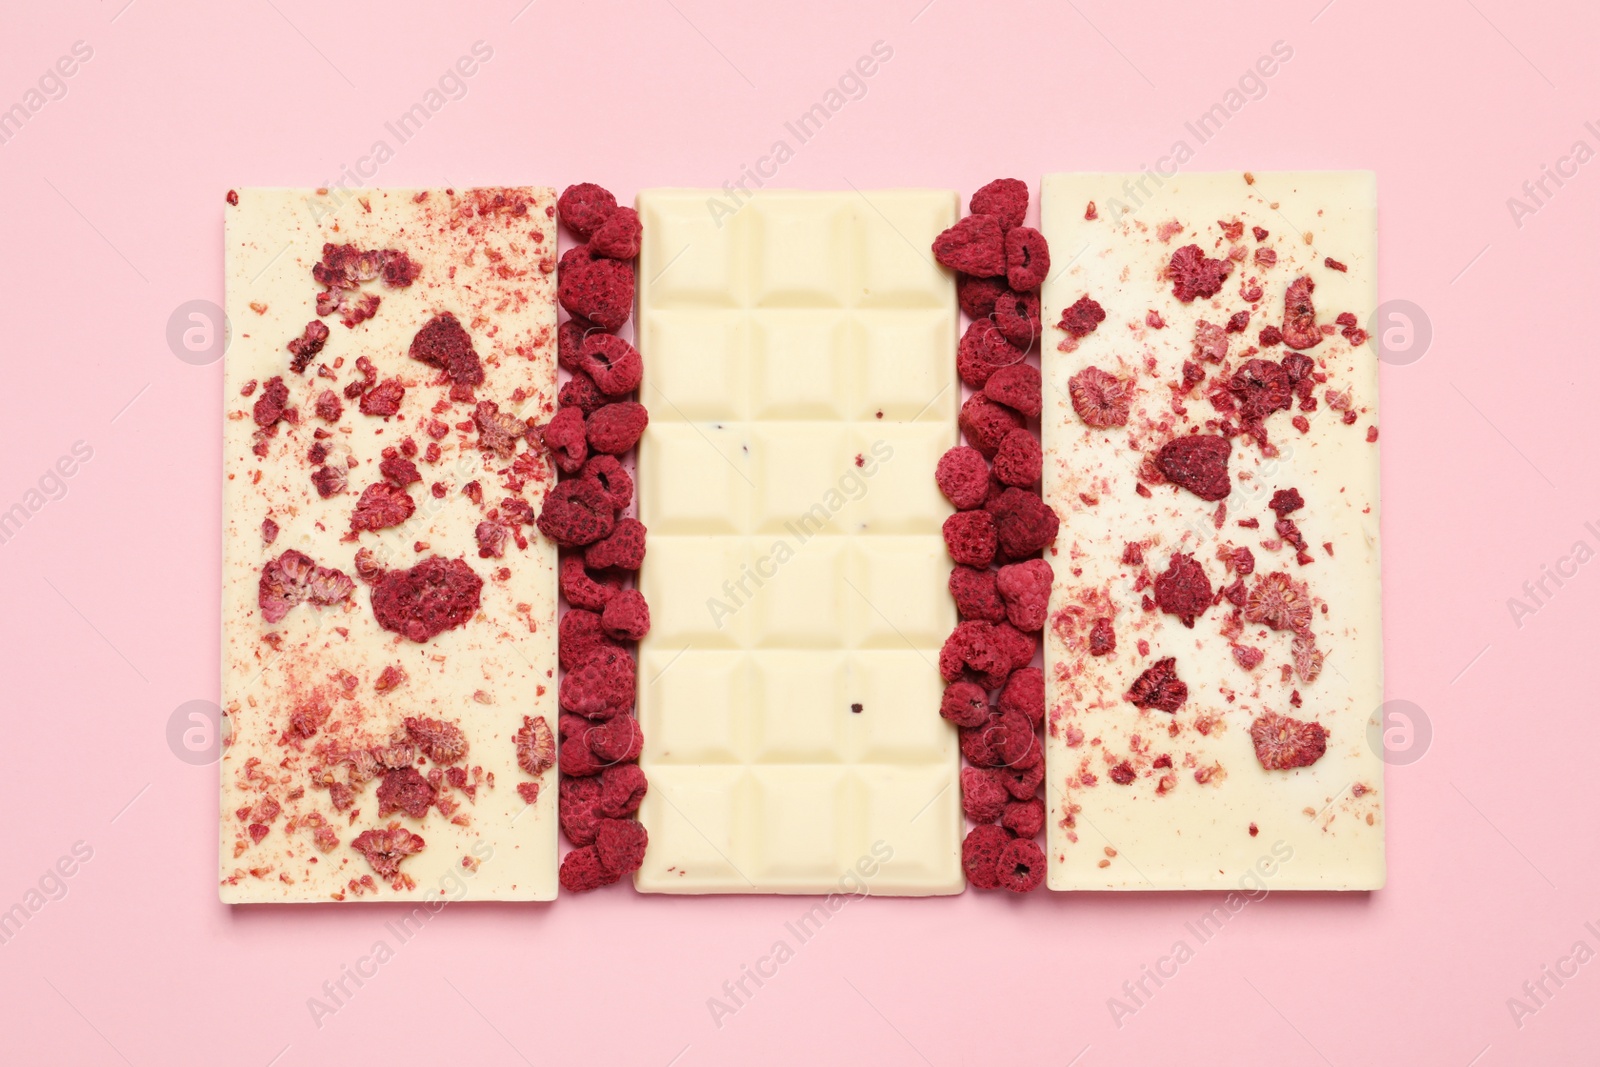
1025,588
1183,589
1279,601
584,207
380,506
627,616
622,788
607,475
964,704
1102,638
1019,461
985,423
444,343
617,740
1017,387
977,296
579,635
578,803
623,548
498,431
580,589
576,512
1025,818
1020,866
1018,318
616,428
425,600
600,290
963,477
1283,743
272,404
975,245
535,745
1024,524
971,646
602,686
1004,198
984,350
1024,694
1027,258
1261,387
976,594
983,794
620,844
1300,315
1198,463
1159,687
581,393
1082,317
581,871
1100,399
443,742
971,538
619,235
404,790
295,578
615,366
567,439
1193,275
1023,782
386,849
980,855
305,347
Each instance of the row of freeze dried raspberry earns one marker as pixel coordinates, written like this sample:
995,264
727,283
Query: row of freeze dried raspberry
585,514
1000,584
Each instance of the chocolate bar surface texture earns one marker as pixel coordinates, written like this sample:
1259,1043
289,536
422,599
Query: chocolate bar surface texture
389,611
800,377
1213,653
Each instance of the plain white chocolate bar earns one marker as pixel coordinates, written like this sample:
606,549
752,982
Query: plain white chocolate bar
800,377
1224,741
389,611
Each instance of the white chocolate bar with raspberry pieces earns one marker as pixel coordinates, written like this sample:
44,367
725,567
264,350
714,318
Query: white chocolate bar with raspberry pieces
388,716
1267,771
800,374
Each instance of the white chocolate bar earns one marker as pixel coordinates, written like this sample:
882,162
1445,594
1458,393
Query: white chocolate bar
800,377
1215,818
316,701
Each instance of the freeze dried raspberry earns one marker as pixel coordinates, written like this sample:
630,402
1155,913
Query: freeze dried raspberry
1020,867
580,589
983,794
305,347
1300,315
620,844
1025,818
569,342
1102,638
1210,342
1159,687
1025,588
1019,460
617,740
1244,561
567,440
1027,258
581,394
585,207
618,237
600,290
328,407
576,512
608,476
577,806
1283,743
535,745
627,616
398,471
386,849
498,430
980,855
1248,657
623,548
1198,464
971,538
380,506
383,399
1279,601
975,594
1018,647
1018,318
975,245
579,635
1270,336
295,578
1307,657
444,343
1183,589
1017,387
622,787
581,871
269,531
1122,773
1082,317
971,647
404,790
1194,275
443,742
963,477
616,428
1100,399
964,704
1024,694
1285,501
1004,198
272,404
977,296
1023,782
986,423
1024,524
984,350
1261,387
577,760
602,686
613,364
528,791
425,600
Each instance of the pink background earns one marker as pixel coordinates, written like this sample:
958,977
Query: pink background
114,204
